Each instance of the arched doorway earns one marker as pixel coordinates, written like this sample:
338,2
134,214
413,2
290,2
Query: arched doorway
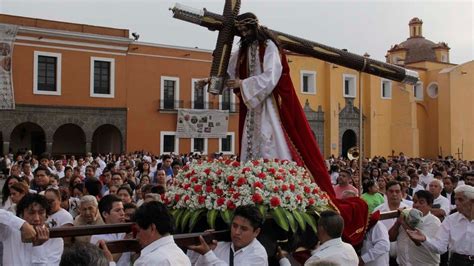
69,139
28,136
107,138
349,140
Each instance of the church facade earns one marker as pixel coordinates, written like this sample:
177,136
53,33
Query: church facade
81,88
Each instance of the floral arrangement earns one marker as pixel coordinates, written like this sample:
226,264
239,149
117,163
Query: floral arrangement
279,188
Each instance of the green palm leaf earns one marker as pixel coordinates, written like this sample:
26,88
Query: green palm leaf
195,218
309,219
291,221
227,216
299,218
211,218
279,216
185,219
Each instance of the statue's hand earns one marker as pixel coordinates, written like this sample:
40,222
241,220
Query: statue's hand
233,83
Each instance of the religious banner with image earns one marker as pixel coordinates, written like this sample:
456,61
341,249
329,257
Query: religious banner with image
199,123
7,36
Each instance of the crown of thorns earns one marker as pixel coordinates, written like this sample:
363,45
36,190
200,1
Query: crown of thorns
247,21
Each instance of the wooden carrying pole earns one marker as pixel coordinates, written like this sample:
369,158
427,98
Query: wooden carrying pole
182,240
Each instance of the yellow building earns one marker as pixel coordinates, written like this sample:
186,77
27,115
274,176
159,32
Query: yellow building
435,117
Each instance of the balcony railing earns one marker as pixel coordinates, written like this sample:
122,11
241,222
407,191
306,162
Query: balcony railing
172,105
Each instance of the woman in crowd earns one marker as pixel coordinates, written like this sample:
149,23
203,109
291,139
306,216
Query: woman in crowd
17,191
125,193
6,200
382,183
372,195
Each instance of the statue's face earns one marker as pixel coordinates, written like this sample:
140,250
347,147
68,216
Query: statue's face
247,33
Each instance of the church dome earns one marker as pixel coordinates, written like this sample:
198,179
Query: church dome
418,48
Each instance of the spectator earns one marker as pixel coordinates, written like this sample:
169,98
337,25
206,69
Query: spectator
441,205
344,177
89,216
456,231
372,195
330,227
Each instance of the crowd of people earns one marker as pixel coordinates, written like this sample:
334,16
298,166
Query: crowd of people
111,189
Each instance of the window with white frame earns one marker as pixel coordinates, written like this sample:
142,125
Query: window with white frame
199,96
432,90
308,82
47,73
169,93
102,77
227,100
349,85
199,145
168,142
226,145
418,91
386,89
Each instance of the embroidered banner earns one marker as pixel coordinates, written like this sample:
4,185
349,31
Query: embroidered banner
7,36
198,123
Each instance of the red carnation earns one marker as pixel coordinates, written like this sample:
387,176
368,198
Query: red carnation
230,205
194,180
207,171
258,184
292,187
177,197
255,163
281,170
220,201
186,198
188,175
235,164
284,187
275,201
186,186
266,160
219,192
236,195
307,189
257,198
197,188
311,201
275,189
241,181
246,169
299,198
209,189
201,199
218,172
272,171
262,175
228,161
315,190
230,179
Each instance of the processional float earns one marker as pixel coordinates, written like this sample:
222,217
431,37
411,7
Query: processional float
225,25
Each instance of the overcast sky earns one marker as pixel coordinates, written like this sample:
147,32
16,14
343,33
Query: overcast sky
359,26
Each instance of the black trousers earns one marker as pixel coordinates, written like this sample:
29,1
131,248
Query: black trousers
461,260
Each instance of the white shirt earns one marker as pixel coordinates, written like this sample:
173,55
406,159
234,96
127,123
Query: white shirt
457,232
54,246
389,223
376,246
335,250
126,256
425,180
263,133
163,252
15,252
444,204
253,254
410,254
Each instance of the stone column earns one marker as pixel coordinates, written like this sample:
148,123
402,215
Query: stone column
88,146
49,147
6,147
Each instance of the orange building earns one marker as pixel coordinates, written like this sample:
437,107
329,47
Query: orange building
80,88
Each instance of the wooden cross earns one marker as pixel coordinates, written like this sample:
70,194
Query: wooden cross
225,24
